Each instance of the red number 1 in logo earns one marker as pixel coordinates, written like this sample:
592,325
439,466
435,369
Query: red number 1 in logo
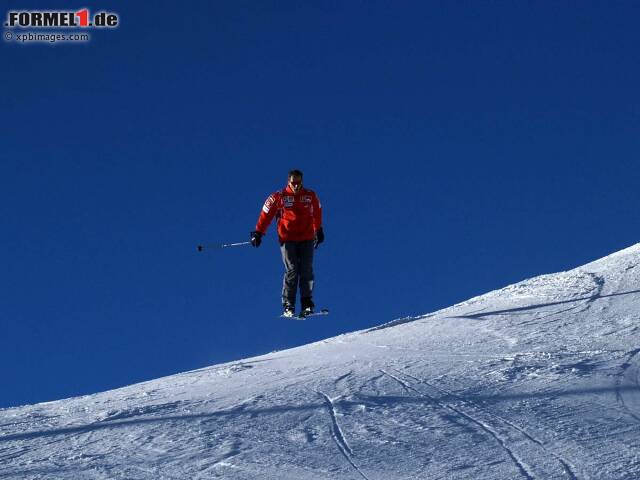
83,15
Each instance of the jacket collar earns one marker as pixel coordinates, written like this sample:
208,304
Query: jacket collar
288,190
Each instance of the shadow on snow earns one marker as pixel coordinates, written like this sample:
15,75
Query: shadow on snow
356,400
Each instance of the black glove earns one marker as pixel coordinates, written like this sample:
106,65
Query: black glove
319,238
256,239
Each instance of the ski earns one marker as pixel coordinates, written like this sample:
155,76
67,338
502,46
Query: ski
300,316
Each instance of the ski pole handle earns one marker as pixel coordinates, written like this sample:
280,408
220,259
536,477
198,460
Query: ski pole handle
223,245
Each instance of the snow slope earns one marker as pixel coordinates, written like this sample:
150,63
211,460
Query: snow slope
538,380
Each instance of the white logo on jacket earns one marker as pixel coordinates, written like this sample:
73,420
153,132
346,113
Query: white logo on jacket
288,200
268,204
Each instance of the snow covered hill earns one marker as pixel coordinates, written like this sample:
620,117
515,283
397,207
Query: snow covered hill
538,380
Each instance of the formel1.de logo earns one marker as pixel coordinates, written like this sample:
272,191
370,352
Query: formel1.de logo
61,19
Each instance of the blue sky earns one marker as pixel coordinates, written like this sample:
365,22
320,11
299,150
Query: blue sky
457,147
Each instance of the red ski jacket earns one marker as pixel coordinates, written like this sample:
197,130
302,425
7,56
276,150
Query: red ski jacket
299,215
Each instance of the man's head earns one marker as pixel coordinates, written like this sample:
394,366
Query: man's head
295,180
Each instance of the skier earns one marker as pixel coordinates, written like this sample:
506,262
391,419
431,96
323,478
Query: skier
299,216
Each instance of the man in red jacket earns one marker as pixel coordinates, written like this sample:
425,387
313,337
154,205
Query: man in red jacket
299,216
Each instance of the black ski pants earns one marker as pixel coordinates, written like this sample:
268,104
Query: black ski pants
298,263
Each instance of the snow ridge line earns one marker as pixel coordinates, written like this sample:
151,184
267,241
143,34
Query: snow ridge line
565,464
524,471
398,321
338,436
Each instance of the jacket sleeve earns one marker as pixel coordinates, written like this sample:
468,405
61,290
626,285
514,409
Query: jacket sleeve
317,213
269,209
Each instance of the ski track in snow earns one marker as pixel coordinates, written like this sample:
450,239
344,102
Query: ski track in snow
566,465
338,435
522,468
473,412
627,386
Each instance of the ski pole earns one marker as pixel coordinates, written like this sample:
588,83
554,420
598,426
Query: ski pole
223,245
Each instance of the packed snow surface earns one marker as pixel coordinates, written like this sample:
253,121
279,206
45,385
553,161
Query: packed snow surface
538,380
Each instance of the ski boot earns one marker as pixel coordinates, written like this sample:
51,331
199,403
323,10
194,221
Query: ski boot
289,310
307,306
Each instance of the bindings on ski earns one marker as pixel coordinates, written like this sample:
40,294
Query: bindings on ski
289,311
302,315
306,312
307,306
